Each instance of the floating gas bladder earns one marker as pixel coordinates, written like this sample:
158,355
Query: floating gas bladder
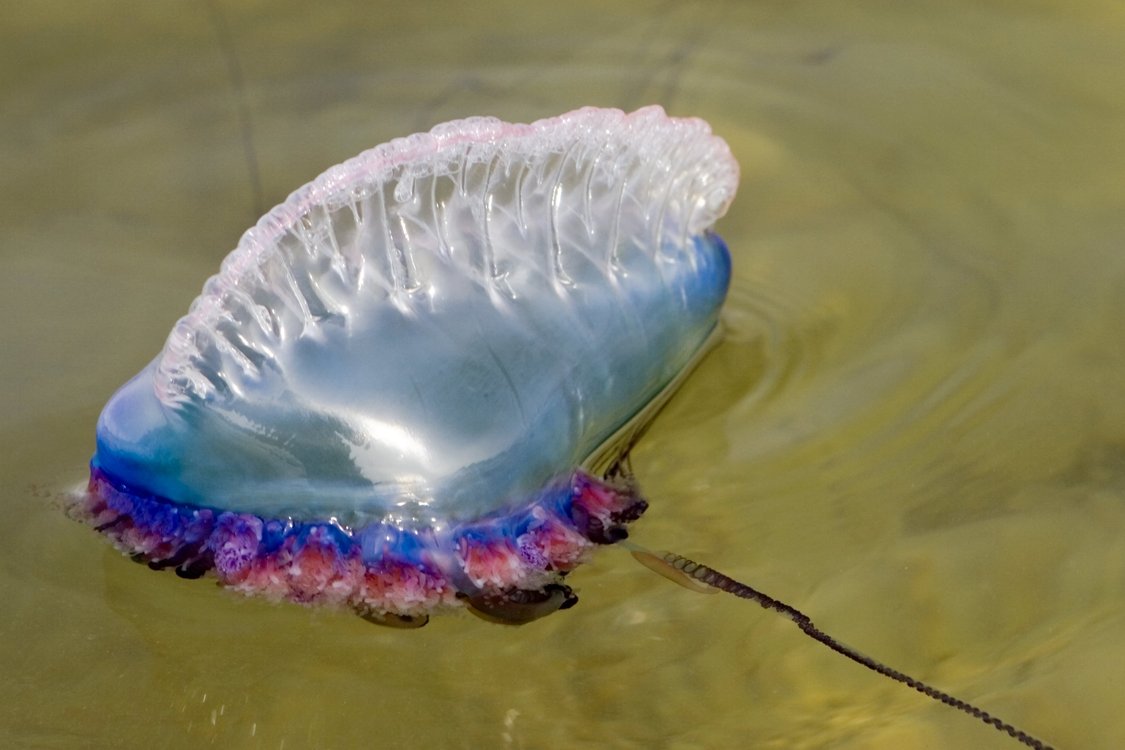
408,387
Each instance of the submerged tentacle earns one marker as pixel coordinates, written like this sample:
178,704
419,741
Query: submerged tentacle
520,606
657,563
694,571
389,620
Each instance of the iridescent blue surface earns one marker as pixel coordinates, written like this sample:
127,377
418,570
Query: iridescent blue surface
434,330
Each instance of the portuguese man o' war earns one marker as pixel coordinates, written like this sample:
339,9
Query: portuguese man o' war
404,388
414,384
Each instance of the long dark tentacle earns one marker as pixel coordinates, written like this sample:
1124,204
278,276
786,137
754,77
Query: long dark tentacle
725,583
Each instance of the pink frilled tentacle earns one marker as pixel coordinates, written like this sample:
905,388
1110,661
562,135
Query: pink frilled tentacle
509,566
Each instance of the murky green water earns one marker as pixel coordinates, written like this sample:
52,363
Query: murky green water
914,431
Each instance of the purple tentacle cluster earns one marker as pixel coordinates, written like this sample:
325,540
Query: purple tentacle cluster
510,564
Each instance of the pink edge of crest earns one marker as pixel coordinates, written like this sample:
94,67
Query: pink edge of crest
377,163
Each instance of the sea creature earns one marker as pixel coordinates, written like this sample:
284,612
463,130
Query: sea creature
411,385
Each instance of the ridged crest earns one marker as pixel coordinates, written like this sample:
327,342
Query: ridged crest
514,209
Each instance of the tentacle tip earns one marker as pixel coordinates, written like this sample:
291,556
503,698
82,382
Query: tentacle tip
519,606
393,620
660,564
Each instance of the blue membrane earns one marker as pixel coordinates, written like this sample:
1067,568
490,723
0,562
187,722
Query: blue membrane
384,396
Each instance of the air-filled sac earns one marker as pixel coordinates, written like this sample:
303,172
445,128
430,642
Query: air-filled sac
403,390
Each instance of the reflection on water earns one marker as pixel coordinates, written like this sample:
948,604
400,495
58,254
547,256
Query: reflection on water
914,429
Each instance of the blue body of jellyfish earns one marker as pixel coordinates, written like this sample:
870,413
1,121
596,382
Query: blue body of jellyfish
410,386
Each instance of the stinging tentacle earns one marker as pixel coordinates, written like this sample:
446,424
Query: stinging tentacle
725,583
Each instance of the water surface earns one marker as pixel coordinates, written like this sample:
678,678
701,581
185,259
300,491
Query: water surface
914,429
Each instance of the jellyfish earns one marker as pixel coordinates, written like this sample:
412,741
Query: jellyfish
413,386
410,387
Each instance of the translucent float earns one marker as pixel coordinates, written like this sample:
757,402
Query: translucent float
411,385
